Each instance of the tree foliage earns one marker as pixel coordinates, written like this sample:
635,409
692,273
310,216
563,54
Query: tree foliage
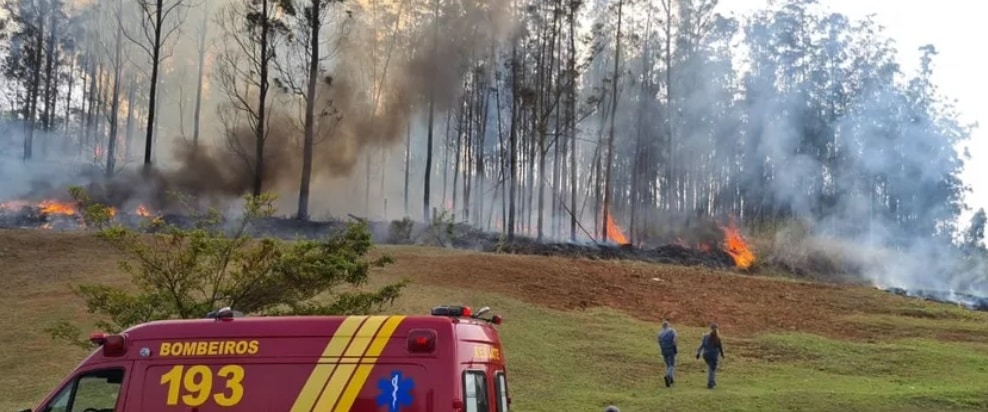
184,273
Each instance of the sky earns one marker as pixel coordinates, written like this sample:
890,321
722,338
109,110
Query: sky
960,71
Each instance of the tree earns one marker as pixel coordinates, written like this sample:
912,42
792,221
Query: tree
610,140
27,19
111,146
184,273
203,29
313,14
160,19
252,31
974,237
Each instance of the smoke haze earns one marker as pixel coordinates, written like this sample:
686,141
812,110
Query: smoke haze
817,126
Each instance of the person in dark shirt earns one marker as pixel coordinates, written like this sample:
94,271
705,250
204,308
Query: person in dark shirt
710,347
668,340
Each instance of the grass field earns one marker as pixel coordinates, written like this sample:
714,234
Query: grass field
579,334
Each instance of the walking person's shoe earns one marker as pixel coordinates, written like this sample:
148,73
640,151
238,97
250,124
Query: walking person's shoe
672,381
668,380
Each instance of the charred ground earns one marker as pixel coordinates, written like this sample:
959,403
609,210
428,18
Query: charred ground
705,242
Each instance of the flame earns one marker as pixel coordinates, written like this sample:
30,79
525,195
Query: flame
735,246
614,232
143,211
54,207
51,208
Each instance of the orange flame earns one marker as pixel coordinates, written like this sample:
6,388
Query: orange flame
735,246
54,207
143,211
614,232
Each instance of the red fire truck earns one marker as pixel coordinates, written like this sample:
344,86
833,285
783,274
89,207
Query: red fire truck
449,361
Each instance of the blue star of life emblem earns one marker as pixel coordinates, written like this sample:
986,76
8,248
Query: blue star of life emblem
396,391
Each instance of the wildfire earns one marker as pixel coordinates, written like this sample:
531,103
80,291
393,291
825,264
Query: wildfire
614,232
735,246
143,211
54,207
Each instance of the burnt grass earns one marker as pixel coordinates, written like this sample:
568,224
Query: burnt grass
460,236
464,236
407,232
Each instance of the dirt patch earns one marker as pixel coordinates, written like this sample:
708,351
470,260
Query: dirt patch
39,263
686,295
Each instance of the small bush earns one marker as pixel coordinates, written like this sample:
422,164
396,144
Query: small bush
183,273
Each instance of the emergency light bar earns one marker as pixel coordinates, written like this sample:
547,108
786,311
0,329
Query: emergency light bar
224,314
465,312
113,344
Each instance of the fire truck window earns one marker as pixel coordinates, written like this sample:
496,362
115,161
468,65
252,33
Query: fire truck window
96,390
475,391
501,388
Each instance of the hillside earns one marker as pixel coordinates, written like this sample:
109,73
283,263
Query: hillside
578,324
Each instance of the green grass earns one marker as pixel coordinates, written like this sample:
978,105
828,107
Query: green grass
585,360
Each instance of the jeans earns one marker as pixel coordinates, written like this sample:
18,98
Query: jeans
711,371
670,364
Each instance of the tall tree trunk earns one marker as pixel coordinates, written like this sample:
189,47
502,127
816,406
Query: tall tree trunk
456,156
408,158
571,120
50,62
260,134
610,138
111,146
68,106
446,145
90,101
637,172
153,93
481,150
51,79
670,178
34,91
513,137
431,124
101,112
428,157
310,110
203,28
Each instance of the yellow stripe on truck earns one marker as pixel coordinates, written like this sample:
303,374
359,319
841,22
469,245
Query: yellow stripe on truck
341,376
367,365
321,373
